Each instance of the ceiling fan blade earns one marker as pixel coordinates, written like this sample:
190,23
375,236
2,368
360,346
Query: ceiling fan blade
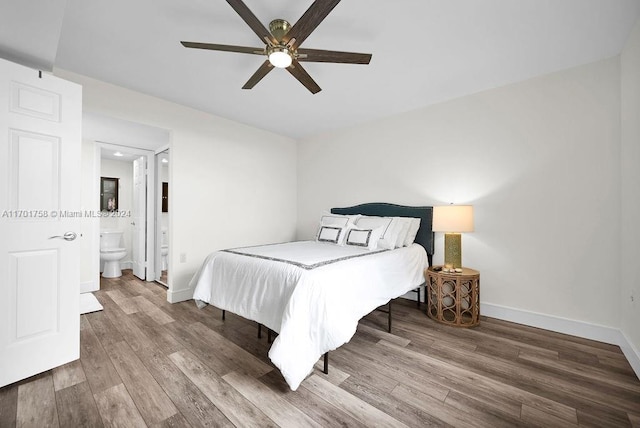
264,69
319,55
316,13
225,48
252,21
303,77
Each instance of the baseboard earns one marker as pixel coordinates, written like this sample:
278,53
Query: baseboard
89,286
631,352
582,329
126,265
553,323
175,296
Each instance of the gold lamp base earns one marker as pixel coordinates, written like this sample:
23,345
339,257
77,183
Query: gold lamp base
453,250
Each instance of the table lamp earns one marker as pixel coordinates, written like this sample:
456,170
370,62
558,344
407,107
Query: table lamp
452,220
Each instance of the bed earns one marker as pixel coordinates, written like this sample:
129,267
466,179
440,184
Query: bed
313,293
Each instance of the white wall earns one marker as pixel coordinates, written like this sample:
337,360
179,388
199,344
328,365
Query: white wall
231,184
630,170
539,160
123,170
89,241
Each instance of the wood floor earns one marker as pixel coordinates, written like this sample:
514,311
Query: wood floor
145,362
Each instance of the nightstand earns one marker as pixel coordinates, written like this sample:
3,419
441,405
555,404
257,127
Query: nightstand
453,298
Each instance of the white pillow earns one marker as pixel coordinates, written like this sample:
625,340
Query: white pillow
332,234
360,237
329,222
387,224
413,231
404,223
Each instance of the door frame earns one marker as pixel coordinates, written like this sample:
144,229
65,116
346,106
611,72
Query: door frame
158,212
149,155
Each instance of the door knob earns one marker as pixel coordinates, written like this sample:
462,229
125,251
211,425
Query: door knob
69,236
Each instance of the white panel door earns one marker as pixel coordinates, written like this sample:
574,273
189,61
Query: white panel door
40,135
139,216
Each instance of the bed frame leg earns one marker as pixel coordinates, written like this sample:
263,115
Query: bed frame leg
389,328
418,302
326,363
268,335
223,314
259,331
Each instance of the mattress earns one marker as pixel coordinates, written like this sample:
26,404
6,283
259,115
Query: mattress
312,293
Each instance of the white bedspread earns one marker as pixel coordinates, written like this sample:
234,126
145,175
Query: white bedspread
315,304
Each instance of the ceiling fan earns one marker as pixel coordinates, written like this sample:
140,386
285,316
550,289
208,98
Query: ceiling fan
282,44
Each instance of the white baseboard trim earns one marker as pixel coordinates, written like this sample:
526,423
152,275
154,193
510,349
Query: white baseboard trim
175,296
553,323
631,352
89,286
582,329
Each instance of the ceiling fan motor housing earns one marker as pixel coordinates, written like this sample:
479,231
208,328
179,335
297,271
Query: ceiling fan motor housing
278,28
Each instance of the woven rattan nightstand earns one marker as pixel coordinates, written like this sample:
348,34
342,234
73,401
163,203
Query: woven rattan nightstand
453,298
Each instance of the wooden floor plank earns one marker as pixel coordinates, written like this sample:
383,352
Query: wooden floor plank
238,409
37,403
96,364
350,404
244,360
318,409
68,375
536,417
157,333
201,348
117,408
76,407
483,387
126,304
104,330
386,402
272,404
8,405
196,408
149,397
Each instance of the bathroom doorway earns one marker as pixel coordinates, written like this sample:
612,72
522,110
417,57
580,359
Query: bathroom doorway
109,135
162,217
132,211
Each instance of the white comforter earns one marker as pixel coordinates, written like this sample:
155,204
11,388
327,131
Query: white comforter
314,306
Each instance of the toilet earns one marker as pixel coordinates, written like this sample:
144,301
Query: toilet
164,249
111,252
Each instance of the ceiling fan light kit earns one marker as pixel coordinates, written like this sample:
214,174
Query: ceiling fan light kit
280,57
282,42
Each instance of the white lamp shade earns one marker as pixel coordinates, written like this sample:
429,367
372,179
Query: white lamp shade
280,57
453,218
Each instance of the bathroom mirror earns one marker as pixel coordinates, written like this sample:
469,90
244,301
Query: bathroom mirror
108,194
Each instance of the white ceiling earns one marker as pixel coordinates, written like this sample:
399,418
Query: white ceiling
424,52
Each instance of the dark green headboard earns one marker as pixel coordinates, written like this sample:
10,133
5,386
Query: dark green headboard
425,214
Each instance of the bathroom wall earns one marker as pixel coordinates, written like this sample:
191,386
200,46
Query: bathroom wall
124,171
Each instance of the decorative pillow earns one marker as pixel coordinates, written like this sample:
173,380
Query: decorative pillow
389,227
360,237
329,223
337,219
404,229
413,231
331,234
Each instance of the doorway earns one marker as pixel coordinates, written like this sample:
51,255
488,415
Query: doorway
131,211
162,218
